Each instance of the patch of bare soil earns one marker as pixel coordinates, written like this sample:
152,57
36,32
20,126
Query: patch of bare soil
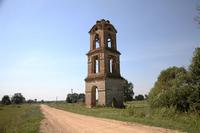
59,121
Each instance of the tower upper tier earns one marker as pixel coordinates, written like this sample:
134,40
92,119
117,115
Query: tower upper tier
103,25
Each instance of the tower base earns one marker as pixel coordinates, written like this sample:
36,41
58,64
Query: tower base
110,92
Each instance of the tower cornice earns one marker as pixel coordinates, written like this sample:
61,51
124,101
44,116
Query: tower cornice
102,50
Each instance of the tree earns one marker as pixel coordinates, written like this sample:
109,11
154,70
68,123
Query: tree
35,100
128,91
75,97
197,18
178,87
6,100
69,98
139,97
81,97
171,89
169,78
72,98
42,101
18,98
30,101
195,67
194,70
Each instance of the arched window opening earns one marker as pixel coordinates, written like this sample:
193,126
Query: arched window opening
96,65
109,41
97,42
111,66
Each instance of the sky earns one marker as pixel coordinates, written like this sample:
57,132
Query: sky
43,43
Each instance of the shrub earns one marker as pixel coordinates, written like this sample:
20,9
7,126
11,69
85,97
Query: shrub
167,112
131,110
194,99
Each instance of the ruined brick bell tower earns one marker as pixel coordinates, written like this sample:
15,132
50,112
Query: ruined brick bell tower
103,67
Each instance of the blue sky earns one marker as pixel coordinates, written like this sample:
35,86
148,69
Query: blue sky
43,42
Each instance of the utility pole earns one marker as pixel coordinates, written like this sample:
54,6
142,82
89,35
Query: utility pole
56,99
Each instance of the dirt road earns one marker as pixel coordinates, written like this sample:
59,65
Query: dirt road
59,121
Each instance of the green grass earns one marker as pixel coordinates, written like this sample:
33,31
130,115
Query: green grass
23,118
140,112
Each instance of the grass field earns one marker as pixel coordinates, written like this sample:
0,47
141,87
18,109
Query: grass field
23,118
140,112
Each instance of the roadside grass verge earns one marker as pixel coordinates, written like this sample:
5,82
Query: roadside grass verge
24,118
140,112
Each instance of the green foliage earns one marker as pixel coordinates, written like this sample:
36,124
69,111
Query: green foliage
169,78
139,97
73,98
194,99
18,98
178,87
171,89
128,91
6,100
81,97
131,110
166,112
197,18
195,67
194,70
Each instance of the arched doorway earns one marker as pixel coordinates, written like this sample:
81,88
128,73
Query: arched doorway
94,96
114,102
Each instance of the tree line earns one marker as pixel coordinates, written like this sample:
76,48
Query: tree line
17,98
178,87
128,95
